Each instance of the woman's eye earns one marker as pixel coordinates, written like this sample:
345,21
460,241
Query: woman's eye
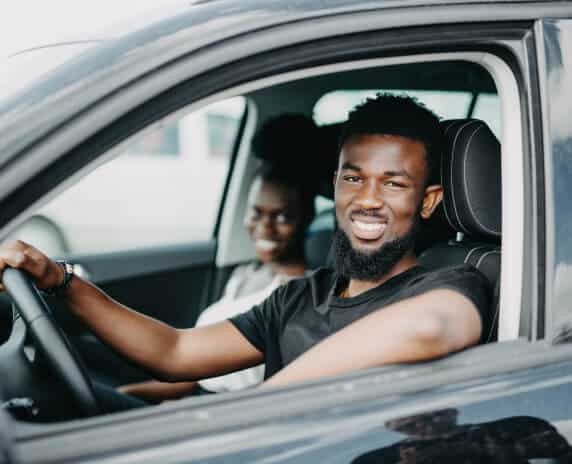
282,218
254,215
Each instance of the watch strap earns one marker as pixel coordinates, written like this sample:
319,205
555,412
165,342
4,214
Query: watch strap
68,275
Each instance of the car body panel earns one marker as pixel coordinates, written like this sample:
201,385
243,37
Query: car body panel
133,56
337,420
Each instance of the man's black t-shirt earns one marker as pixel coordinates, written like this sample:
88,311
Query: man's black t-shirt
305,311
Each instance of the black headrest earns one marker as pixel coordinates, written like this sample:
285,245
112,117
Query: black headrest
471,176
329,139
318,242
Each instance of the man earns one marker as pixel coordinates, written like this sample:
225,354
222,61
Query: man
378,306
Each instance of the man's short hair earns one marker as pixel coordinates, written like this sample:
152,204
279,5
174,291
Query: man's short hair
402,115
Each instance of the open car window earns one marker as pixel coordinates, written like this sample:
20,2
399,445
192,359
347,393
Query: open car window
164,188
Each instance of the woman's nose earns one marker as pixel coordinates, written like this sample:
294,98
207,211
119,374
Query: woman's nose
264,225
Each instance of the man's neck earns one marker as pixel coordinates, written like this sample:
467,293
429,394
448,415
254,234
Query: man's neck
357,287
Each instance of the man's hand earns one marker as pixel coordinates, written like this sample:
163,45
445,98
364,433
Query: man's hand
20,255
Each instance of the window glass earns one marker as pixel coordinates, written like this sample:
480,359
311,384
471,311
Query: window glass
322,204
164,189
161,142
488,109
334,107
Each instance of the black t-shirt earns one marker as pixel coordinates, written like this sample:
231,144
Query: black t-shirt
303,312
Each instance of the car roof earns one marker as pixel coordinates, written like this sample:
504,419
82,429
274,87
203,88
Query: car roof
150,41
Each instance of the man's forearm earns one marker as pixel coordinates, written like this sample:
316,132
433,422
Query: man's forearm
416,329
156,392
145,341
169,354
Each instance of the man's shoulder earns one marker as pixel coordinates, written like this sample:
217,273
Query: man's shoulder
464,278
453,272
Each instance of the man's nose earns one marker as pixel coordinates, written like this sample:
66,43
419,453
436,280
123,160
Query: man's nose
369,196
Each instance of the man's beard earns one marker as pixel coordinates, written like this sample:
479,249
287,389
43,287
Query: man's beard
370,267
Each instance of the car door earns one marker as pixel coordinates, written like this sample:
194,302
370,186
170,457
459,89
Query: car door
268,424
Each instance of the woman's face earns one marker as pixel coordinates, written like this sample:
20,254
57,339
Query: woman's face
274,221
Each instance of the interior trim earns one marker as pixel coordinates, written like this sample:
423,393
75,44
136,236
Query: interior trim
128,264
229,252
512,167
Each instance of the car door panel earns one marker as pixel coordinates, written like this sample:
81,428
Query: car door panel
159,282
171,284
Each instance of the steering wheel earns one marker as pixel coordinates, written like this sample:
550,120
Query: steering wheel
51,340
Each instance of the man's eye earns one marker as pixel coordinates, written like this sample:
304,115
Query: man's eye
392,183
352,179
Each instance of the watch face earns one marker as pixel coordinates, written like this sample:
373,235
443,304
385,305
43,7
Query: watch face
69,268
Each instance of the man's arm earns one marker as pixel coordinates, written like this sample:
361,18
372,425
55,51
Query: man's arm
168,353
155,391
424,327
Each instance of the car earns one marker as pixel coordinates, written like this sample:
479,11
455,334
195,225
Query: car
497,72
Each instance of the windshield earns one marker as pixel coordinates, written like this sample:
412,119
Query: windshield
21,69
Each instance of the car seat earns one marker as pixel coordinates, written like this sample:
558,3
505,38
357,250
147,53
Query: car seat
471,177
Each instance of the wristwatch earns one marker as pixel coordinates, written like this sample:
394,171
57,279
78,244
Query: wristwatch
68,275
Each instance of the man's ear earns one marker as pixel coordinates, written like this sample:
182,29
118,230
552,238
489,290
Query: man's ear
431,199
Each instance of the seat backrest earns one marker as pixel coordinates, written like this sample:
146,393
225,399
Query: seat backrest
471,177
318,241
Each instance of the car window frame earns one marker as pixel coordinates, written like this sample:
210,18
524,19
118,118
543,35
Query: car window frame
174,100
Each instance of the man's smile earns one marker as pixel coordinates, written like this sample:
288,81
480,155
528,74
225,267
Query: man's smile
367,226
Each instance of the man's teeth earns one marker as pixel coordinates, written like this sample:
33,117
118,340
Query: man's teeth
370,226
266,244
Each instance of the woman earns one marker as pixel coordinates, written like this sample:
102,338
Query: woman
280,207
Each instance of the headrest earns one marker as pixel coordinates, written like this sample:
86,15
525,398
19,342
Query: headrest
471,176
329,139
318,242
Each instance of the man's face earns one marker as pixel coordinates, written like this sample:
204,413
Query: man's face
380,190
274,221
